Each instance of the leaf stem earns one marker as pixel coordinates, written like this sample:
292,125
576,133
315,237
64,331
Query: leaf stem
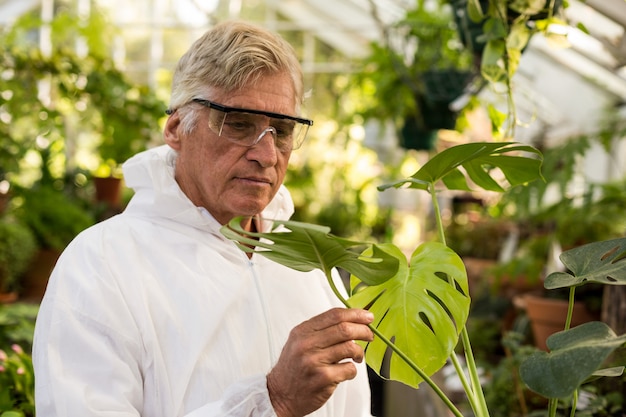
570,307
476,393
461,374
574,403
552,406
473,390
433,194
553,402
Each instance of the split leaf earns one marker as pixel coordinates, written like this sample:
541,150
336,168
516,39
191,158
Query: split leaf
422,309
487,164
599,262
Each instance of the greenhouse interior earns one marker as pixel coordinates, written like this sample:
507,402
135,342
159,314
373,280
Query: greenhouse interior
474,148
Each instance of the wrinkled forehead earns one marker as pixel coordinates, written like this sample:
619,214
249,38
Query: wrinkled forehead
273,92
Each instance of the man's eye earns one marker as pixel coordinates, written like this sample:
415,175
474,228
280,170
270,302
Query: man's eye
284,129
239,123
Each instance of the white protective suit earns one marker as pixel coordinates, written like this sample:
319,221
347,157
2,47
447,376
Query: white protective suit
154,313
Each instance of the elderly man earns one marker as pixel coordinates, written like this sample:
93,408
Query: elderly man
154,313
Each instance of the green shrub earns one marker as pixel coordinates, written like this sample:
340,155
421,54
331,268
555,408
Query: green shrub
54,218
17,383
17,248
17,323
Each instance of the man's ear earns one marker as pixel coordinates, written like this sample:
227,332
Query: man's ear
171,132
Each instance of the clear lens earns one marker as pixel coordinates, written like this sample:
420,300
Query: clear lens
247,129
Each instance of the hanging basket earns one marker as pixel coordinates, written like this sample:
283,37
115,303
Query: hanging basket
445,85
414,135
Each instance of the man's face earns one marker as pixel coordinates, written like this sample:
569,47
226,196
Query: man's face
228,179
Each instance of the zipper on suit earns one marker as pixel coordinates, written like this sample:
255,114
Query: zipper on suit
264,307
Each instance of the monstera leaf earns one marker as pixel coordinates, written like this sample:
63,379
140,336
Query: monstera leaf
575,355
304,247
422,309
484,164
600,262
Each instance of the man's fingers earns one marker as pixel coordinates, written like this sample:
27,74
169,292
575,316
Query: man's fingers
323,349
339,315
337,326
342,351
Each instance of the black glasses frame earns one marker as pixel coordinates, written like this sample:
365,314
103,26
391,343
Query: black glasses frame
226,109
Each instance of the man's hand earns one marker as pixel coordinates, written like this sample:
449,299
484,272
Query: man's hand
313,361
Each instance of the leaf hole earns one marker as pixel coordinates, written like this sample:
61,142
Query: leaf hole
609,253
449,280
442,305
459,289
442,276
371,303
619,257
610,278
426,321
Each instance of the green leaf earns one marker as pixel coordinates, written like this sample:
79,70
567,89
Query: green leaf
599,262
494,29
12,414
518,37
581,26
422,309
492,65
514,57
304,247
479,160
497,118
475,11
610,372
528,7
575,355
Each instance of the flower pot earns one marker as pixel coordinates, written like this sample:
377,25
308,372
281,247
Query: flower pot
8,297
547,316
108,190
35,279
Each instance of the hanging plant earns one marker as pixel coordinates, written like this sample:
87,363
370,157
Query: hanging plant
498,31
414,74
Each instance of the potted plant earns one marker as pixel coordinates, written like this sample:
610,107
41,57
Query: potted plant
414,75
127,123
17,249
54,218
421,306
89,104
592,213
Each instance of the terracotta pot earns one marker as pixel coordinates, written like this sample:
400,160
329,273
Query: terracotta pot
547,316
35,279
8,297
108,190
